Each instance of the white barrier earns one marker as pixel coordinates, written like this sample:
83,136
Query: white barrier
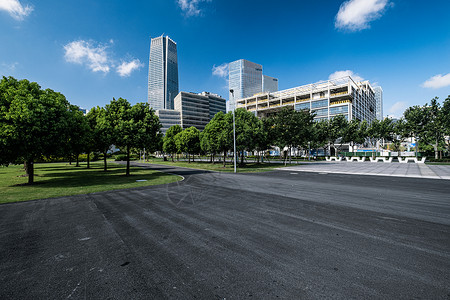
355,158
331,158
383,159
413,159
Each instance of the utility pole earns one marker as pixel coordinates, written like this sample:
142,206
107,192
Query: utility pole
234,131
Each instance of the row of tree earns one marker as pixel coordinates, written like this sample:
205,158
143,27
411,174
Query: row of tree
428,124
36,123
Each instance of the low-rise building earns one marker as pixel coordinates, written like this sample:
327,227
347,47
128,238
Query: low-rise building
168,118
343,96
192,109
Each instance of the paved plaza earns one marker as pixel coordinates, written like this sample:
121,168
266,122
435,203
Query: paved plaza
412,170
269,235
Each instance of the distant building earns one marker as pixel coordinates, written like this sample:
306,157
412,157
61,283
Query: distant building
246,79
192,109
168,118
326,99
269,84
83,110
198,109
379,102
162,73
216,103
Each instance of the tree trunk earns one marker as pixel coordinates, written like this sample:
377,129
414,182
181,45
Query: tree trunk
88,160
242,159
193,157
172,156
224,156
105,168
189,158
436,155
30,171
78,160
127,173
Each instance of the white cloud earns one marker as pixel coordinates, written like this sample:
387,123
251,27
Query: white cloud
191,7
340,74
397,109
15,9
221,71
437,81
84,52
9,67
125,68
356,15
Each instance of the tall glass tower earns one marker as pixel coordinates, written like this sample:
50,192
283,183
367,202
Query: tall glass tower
162,73
245,78
379,102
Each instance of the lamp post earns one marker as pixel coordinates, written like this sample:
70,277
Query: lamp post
234,131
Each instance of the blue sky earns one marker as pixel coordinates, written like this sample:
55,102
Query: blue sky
92,50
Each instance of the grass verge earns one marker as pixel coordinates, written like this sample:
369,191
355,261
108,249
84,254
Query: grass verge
62,179
218,166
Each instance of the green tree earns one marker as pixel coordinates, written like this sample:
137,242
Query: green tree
248,127
169,145
319,134
189,141
416,121
102,132
381,130
435,126
134,126
78,133
33,122
355,132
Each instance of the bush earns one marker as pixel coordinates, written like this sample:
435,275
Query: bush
120,157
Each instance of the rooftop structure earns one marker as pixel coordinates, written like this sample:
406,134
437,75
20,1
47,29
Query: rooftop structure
343,96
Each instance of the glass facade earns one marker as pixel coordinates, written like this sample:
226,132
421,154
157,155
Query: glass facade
162,73
270,84
302,106
245,78
338,110
379,102
320,103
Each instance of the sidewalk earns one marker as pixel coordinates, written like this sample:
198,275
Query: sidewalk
381,169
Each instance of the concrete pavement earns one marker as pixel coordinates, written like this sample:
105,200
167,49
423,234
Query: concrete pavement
411,170
286,235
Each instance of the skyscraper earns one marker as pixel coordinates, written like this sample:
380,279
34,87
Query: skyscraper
270,84
379,102
246,79
162,73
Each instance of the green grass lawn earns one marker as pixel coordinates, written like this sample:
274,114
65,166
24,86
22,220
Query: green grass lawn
218,166
62,179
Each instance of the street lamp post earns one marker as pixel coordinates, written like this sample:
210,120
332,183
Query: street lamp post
234,132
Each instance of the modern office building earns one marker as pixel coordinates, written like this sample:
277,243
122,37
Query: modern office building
216,103
379,102
162,73
246,79
168,118
343,96
198,109
269,84
191,109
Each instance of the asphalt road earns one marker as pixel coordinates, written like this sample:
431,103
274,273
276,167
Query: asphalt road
287,235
